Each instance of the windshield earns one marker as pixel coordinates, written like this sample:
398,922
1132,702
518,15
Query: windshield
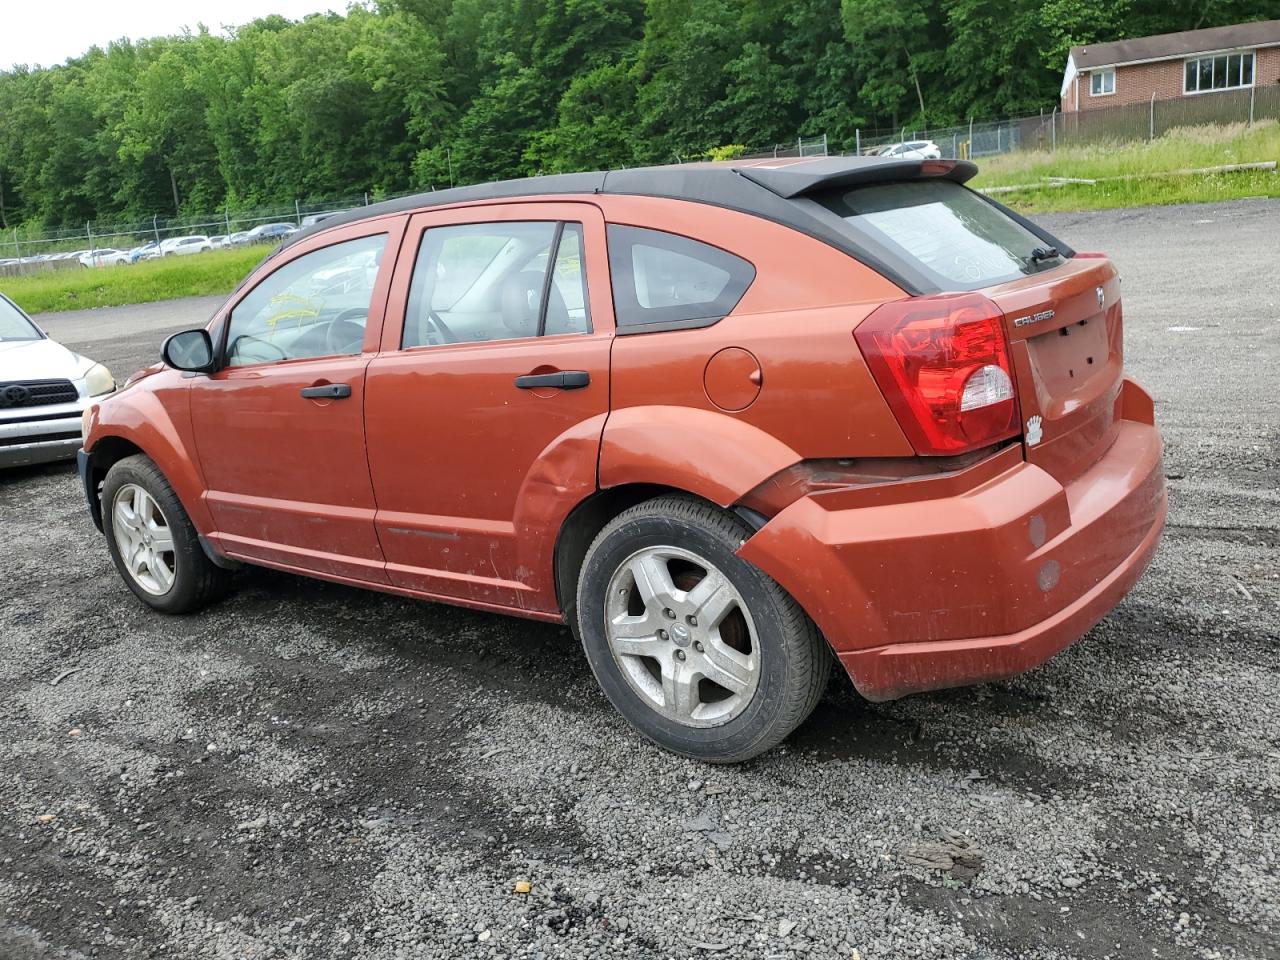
958,239
15,326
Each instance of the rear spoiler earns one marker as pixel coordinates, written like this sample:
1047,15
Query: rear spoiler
791,180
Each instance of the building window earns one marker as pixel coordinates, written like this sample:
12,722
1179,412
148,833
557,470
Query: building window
1223,71
1102,82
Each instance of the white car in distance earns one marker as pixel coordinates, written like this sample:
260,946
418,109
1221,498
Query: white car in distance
185,246
912,150
105,257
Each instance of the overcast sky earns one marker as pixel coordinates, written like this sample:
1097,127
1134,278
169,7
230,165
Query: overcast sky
47,32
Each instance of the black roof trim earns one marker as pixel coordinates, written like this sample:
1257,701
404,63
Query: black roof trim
771,189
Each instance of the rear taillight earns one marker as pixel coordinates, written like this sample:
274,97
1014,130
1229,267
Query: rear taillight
943,365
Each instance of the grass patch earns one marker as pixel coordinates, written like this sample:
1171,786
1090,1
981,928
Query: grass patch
204,274
1156,191
1150,166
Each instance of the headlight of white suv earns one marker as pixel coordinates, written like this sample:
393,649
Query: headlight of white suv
98,381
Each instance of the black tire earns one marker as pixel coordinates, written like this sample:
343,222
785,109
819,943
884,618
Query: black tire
196,580
794,659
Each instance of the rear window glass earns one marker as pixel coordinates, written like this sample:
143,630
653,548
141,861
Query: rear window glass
958,239
662,278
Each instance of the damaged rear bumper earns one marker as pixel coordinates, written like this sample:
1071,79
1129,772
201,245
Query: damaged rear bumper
972,576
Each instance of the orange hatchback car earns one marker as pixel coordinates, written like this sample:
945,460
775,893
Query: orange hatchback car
723,420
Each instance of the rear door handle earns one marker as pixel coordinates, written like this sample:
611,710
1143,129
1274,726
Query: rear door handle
561,379
327,391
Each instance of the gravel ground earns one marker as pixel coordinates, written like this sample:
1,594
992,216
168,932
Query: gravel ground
309,771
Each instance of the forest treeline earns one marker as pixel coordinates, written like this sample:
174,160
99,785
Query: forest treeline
401,94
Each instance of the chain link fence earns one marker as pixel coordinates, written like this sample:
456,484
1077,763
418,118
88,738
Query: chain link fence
23,244
974,140
1049,131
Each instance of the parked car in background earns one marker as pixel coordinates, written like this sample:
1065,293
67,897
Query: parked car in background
44,389
723,420
184,246
148,251
267,232
218,242
105,257
912,150
238,239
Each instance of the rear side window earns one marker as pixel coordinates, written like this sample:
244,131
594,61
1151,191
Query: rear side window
480,282
959,240
662,280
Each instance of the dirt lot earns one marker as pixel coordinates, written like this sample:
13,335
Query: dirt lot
310,771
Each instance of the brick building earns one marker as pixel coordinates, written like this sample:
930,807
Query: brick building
1193,63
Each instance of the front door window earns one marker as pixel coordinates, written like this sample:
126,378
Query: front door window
316,306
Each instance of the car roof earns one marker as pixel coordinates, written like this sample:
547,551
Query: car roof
774,189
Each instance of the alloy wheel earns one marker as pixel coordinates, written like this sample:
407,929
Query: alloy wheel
144,539
683,636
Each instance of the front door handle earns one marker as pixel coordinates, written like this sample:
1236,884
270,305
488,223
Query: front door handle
561,380
327,391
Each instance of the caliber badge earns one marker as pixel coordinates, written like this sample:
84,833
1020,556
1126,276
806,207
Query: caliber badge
1034,318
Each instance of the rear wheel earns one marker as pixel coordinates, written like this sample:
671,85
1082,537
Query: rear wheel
152,541
699,650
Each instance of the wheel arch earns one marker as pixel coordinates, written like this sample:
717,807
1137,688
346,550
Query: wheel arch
715,456
144,424
585,521
106,453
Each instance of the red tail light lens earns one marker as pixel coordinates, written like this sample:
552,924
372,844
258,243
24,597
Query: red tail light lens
943,365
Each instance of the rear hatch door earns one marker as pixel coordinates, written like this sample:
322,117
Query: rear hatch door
1065,330
1061,310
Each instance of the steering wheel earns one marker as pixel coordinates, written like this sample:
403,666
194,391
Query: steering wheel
344,335
439,329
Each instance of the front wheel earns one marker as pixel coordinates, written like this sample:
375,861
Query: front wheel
153,542
699,650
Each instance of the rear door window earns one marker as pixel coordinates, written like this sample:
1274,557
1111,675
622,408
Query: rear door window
480,282
663,279
957,238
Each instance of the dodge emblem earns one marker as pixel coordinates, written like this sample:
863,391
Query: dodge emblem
1102,298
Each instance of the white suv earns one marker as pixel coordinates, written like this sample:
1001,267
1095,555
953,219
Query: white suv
44,389
185,246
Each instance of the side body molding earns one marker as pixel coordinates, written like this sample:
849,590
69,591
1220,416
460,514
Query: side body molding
713,455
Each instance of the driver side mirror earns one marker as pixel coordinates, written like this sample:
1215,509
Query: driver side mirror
190,350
